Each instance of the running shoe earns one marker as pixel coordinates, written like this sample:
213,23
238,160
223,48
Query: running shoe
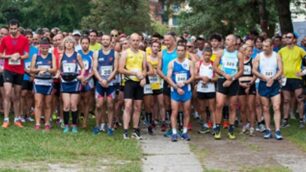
5,124
96,130
136,135
110,132
217,135
174,137
231,135
18,124
267,134
150,130
74,129
163,127
285,124
66,129
204,129
22,119
301,124
185,136
278,135
37,127
261,127
168,133
252,130
47,127
30,119
125,136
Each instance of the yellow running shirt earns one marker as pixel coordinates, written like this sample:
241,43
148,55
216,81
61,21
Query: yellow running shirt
155,81
292,61
134,62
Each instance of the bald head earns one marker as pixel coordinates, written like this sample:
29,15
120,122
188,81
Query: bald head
230,40
135,40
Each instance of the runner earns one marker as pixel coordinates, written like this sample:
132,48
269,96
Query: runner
43,66
292,57
165,57
133,65
14,48
70,82
180,76
27,96
268,68
247,92
231,68
206,91
88,82
105,65
94,45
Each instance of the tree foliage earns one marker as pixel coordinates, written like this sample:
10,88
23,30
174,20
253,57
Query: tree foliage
65,14
225,16
125,15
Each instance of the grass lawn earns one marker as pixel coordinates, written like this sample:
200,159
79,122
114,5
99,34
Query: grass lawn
295,134
30,150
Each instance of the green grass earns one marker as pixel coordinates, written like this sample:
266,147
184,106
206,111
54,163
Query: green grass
83,150
295,134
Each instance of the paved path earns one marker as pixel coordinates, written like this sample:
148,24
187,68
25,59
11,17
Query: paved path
161,155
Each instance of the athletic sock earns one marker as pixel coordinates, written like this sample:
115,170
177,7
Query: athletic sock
66,117
74,117
185,130
174,131
6,119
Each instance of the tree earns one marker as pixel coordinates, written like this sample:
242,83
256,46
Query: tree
125,15
284,14
225,17
65,14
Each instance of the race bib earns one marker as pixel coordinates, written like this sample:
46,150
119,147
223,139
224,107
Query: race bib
86,64
247,70
180,77
147,89
154,79
44,67
27,65
134,77
283,81
69,67
269,73
43,82
106,70
14,62
230,63
206,88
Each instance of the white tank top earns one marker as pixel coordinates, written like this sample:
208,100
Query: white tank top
268,65
206,71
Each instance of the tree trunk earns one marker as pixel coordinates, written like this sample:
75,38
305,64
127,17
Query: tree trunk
263,15
284,14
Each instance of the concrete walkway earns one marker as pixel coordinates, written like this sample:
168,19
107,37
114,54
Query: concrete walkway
161,155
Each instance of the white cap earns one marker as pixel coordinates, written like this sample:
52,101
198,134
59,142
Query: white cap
76,32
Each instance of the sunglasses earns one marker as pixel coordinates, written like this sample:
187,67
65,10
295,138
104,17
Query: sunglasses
114,35
189,46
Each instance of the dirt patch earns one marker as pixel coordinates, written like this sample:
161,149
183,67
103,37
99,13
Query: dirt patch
246,153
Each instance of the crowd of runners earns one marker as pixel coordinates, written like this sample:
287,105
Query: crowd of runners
161,81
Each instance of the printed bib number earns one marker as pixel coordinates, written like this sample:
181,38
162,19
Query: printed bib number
206,88
14,62
154,79
147,89
247,70
69,67
106,70
180,77
230,63
43,82
268,73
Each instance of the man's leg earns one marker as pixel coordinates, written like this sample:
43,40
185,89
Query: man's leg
7,102
286,107
300,105
174,107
